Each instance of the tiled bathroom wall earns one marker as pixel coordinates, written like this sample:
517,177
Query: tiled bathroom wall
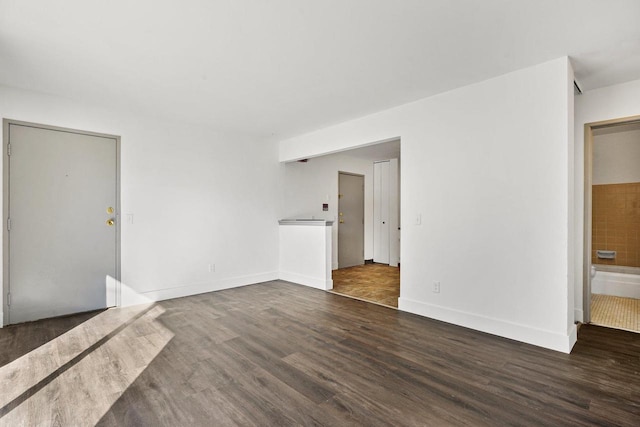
616,223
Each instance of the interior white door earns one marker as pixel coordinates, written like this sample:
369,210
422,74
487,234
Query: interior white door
350,220
381,212
62,241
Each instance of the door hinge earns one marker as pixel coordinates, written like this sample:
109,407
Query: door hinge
8,149
8,224
9,299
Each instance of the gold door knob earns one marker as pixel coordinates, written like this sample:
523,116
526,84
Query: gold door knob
342,221
110,222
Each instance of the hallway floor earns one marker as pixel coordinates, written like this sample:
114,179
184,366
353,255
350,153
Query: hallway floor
615,312
377,283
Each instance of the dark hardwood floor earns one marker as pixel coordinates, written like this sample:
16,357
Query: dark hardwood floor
282,354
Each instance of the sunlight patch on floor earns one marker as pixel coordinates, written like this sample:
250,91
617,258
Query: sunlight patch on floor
111,349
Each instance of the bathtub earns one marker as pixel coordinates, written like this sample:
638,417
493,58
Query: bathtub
615,281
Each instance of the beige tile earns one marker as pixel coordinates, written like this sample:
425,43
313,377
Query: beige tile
615,312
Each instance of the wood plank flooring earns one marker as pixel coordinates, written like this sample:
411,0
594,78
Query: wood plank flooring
377,283
281,354
18,341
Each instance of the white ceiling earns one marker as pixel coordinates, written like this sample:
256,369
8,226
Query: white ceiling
284,67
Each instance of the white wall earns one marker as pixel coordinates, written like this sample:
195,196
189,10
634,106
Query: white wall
571,188
616,157
306,186
606,103
197,197
488,168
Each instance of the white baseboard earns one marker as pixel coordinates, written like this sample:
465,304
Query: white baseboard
1,319
300,279
542,338
578,315
132,297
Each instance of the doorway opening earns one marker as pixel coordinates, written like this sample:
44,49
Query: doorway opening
612,224
61,208
377,278
312,189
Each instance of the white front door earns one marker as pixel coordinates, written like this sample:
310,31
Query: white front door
62,224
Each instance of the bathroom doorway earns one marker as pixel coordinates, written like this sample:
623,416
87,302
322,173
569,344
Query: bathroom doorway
612,224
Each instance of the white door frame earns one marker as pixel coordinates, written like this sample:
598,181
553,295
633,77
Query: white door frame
588,214
6,285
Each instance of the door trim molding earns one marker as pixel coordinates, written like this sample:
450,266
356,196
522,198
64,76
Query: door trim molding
588,216
6,286
351,173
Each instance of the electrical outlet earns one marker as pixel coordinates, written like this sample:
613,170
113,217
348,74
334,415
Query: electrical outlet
436,287
212,268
